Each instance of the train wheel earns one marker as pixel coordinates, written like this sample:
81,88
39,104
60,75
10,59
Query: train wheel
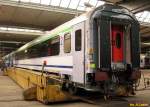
72,89
106,97
63,86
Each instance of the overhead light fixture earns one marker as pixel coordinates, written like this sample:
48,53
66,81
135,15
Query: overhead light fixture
20,29
146,43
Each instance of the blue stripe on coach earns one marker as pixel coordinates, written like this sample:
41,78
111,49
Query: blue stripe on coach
56,66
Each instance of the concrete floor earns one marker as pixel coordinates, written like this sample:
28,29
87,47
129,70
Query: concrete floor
11,96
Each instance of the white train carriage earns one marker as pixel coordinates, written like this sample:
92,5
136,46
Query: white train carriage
97,51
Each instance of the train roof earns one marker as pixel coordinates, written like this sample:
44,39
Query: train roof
56,31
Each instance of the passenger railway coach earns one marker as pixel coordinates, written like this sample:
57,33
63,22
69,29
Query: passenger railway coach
97,51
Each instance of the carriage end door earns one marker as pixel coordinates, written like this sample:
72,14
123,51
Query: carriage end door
117,43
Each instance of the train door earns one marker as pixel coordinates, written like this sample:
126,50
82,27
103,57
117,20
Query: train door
78,53
117,43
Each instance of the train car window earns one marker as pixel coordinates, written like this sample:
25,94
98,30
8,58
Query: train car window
118,40
48,51
21,55
42,48
17,56
78,36
26,54
67,43
34,51
54,47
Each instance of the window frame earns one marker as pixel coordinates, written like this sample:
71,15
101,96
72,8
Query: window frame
50,40
66,39
76,49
